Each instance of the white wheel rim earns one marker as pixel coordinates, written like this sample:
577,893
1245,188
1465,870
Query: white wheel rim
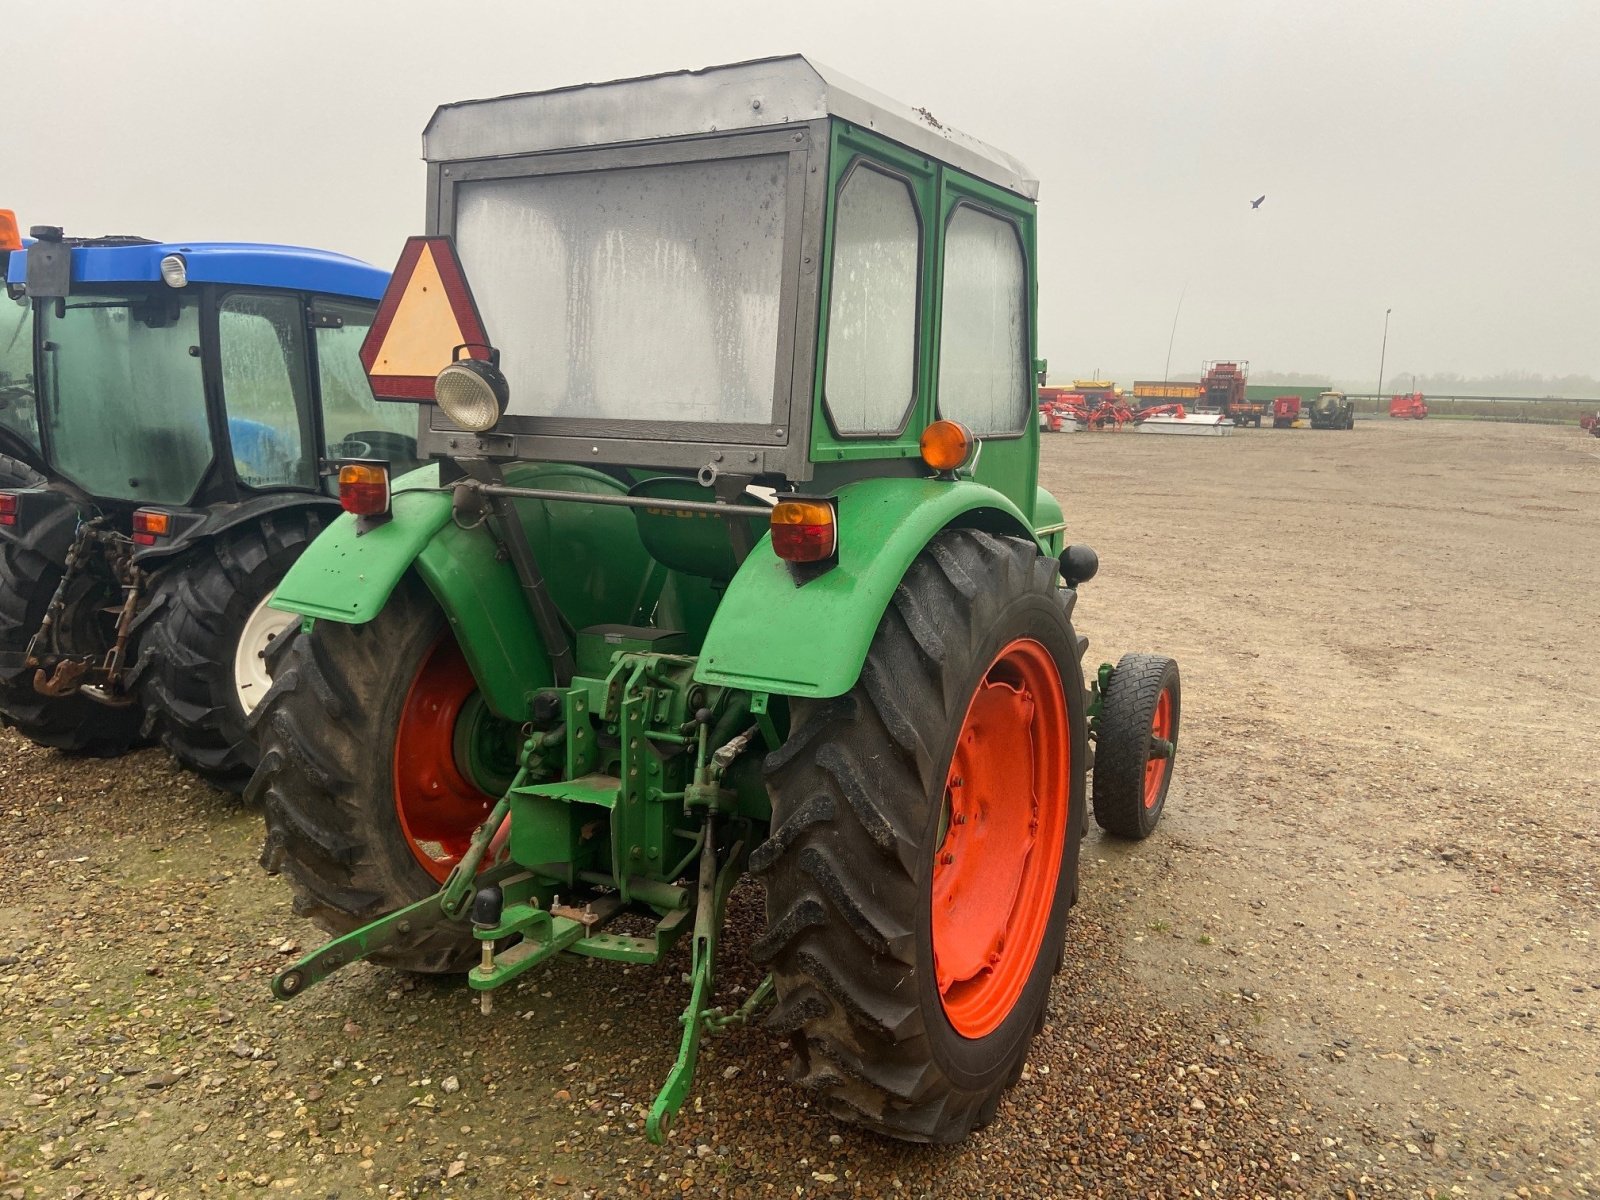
250,677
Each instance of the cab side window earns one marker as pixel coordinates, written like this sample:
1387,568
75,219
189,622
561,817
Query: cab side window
869,380
354,425
983,336
262,342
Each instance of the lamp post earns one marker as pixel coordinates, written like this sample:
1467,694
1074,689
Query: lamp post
1382,354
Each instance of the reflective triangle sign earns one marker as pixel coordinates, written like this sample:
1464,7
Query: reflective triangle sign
427,311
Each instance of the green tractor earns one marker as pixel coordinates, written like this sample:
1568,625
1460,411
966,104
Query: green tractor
731,558
1333,410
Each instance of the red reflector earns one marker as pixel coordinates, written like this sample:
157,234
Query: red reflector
8,508
804,531
364,489
150,524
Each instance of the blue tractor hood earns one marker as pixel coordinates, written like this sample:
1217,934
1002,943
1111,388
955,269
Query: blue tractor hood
298,268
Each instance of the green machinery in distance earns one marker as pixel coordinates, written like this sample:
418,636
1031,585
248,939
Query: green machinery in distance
730,557
1333,410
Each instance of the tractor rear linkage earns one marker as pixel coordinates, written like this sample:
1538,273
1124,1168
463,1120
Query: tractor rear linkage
502,902
101,680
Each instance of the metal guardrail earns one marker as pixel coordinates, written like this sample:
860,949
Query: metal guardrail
1535,410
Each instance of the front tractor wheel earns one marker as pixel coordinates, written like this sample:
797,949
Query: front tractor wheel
378,761
925,840
1136,740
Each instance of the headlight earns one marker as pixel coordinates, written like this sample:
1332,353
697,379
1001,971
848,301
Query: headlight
174,271
473,394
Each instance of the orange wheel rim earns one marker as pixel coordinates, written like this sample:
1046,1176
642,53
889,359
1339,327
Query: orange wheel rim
1156,768
438,807
997,867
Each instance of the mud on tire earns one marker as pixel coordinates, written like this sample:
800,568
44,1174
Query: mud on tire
189,630
326,736
859,794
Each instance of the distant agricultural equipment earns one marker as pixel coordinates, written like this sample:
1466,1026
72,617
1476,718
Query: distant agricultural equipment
1222,386
1590,424
1410,407
1333,410
1285,411
1161,391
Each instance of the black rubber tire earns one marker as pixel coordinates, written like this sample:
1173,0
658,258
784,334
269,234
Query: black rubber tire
188,632
1122,743
28,579
858,794
326,735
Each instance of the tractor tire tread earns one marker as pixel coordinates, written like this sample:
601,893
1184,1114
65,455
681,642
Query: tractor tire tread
315,728
842,856
1126,709
188,633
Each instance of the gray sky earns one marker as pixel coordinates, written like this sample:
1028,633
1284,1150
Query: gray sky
1439,159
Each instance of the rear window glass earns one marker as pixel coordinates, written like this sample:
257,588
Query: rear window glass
646,293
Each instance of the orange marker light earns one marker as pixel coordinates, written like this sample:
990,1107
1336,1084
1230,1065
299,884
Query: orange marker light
364,489
804,531
947,445
10,235
150,524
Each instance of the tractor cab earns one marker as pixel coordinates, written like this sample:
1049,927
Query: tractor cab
139,373
731,556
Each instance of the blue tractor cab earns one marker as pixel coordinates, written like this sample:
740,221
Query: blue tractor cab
169,417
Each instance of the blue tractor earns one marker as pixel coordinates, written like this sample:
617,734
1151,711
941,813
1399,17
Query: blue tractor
169,417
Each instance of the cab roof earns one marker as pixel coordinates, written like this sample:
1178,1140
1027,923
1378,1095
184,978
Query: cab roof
253,264
747,95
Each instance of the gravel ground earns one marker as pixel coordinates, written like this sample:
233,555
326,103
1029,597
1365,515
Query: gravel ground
1357,959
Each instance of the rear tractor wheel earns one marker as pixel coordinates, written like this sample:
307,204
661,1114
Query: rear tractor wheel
925,840
203,640
378,761
1135,744
28,579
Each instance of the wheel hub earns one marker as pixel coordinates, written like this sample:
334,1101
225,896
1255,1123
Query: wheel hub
448,749
998,862
250,676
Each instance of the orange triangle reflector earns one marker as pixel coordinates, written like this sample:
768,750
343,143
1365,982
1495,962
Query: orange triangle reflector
426,313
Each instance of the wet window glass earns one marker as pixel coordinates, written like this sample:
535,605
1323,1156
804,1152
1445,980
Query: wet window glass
354,425
983,338
262,346
17,413
647,293
122,395
872,306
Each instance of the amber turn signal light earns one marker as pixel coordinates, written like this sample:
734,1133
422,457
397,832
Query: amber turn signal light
947,445
150,524
804,531
364,489
10,233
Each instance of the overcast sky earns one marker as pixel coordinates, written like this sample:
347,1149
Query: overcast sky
1439,159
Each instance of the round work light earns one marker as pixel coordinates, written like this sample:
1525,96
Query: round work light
472,393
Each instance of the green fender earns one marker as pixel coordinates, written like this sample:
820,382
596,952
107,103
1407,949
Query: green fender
771,634
597,570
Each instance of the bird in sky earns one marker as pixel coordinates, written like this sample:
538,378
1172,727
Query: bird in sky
1256,203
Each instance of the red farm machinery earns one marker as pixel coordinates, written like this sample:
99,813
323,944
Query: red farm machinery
1410,407
1285,411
